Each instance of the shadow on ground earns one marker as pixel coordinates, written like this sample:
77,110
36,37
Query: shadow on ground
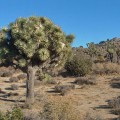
9,100
115,83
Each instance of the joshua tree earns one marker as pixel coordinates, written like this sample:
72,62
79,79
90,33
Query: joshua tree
118,54
110,50
34,43
92,50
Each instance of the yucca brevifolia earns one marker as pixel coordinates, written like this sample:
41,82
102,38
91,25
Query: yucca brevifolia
34,43
118,54
92,50
110,50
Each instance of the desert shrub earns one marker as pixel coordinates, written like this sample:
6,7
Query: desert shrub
93,117
52,82
46,78
85,81
59,110
22,76
54,110
2,116
106,68
7,74
63,89
31,115
111,68
1,73
13,79
15,114
78,66
14,87
99,59
115,105
98,68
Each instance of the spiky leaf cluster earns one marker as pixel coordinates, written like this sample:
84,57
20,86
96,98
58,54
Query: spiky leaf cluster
93,51
4,48
111,48
35,40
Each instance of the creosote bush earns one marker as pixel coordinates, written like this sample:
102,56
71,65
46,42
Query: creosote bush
78,66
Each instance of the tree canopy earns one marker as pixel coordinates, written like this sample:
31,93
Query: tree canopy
34,43
34,40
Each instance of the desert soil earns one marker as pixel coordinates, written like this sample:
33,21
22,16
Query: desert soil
92,99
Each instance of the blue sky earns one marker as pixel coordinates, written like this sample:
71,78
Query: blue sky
89,20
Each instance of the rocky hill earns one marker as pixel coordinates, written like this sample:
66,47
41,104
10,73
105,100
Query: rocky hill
101,49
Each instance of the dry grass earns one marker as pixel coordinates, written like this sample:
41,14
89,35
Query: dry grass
52,108
60,110
106,68
83,100
90,116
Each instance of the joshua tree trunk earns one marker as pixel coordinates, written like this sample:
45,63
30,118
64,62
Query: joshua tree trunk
111,57
118,59
30,85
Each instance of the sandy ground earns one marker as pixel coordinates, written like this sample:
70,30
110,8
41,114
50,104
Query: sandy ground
88,99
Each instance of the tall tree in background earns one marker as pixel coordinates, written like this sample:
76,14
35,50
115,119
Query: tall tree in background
34,43
118,54
92,50
110,50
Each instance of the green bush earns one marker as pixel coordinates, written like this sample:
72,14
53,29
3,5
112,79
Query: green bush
46,78
15,114
78,66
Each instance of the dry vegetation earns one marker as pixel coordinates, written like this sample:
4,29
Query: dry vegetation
87,89
70,98
106,68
